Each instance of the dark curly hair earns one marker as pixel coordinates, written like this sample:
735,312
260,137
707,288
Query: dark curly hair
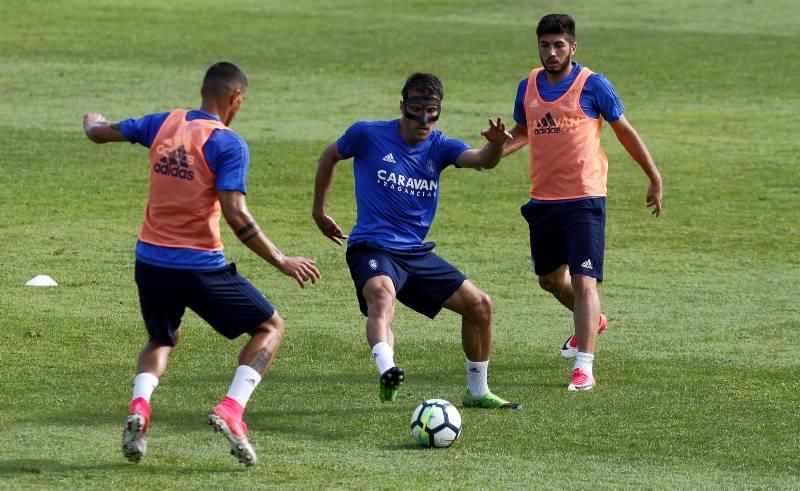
557,24
424,83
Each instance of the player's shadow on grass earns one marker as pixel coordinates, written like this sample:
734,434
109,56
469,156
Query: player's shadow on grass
39,467
47,468
78,416
405,447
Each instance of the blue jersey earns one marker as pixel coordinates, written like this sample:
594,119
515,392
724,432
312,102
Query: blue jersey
396,184
597,97
227,156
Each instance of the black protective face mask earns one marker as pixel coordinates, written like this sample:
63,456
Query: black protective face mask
425,102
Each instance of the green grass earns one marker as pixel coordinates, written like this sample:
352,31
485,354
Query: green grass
697,384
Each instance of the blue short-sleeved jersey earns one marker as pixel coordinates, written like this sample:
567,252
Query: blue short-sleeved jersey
227,155
597,97
396,184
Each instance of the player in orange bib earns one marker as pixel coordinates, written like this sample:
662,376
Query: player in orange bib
198,169
559,112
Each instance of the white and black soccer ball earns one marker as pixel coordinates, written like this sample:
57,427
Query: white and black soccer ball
436,423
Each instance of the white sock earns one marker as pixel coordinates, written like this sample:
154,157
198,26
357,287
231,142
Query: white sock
143,386
584,362
383,354
477,373
244,383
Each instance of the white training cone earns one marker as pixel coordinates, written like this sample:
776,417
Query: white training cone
41,280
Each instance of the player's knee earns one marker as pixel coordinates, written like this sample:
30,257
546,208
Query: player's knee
583,285
481,308
548,283
379,299
277,325
584,291
274,326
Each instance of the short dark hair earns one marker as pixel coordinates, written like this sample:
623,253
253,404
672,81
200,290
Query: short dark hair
557,24
223,78
425,83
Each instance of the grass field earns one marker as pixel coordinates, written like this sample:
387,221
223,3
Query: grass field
696,385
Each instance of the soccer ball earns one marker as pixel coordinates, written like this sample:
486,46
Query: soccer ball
436,423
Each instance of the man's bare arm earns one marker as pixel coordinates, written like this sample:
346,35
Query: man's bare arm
489,156
519,138
638,151
234,209
326,169
100,130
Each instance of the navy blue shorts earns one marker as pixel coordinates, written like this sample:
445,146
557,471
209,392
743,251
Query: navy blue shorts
223,298
423,281
567,232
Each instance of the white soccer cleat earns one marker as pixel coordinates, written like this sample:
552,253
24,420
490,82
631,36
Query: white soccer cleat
570,347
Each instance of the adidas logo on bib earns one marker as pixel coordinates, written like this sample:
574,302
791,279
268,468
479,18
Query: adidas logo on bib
175,163
546,126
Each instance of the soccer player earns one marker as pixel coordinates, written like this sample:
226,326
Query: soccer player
198,169
397,167
558,111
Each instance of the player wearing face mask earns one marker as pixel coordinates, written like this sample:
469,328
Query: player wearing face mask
397,165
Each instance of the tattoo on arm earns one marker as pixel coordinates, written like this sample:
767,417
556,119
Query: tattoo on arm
245,228
245,239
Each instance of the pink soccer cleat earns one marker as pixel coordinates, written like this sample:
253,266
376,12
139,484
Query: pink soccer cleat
134,435
581,381
570,347
227,418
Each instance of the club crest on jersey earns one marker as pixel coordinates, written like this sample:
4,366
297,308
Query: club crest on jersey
430,167
373,264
